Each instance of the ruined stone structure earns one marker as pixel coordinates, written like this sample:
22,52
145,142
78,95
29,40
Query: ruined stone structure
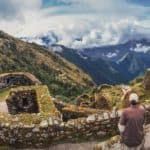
17,79
35,119
23,107
101,101
73,112
98,99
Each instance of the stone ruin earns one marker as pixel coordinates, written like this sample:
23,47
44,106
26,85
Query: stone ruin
96,100
19,101
35,119
17,79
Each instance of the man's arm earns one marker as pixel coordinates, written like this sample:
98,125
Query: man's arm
122,123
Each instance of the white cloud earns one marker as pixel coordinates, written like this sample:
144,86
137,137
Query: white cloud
111,55
141,48
57,49
84,23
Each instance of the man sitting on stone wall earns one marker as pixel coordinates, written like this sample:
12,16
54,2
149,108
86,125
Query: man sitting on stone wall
131,125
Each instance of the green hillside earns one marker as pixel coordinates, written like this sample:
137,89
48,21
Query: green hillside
64,79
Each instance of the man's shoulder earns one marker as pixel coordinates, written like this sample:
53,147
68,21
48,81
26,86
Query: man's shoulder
142,108
125,111
130,109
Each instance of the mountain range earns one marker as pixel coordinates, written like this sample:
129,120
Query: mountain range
112,64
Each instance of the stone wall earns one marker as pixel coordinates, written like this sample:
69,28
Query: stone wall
53,130
48,121
69,111
17,79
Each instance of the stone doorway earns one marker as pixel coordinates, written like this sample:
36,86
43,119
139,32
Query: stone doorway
22,102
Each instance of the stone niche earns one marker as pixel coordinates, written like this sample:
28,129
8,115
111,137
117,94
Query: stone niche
22,102
17,79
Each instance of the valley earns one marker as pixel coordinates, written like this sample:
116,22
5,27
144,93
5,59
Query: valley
114,64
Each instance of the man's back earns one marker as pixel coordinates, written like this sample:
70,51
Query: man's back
133,120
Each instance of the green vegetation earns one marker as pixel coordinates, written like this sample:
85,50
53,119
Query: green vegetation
105,97
115,94
63,78
136,81
144,95
118,96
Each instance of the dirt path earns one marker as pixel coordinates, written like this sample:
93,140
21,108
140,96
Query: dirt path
90,145
69,146
78,146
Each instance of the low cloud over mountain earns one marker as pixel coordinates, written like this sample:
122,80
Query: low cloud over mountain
75,23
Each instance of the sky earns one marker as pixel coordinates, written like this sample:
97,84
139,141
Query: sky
76,23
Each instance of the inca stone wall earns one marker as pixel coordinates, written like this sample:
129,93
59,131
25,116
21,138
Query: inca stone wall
53,130
72,111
